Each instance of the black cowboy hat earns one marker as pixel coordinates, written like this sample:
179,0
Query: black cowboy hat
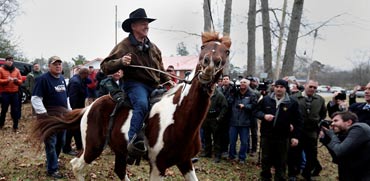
138,14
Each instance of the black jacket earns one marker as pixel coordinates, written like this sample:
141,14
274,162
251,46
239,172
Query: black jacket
286,114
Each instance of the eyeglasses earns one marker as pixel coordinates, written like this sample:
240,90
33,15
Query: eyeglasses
312,87
170,70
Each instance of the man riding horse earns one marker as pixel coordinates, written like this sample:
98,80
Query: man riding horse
136,49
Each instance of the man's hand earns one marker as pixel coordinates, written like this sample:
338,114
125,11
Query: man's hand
269,117
294,142
126,59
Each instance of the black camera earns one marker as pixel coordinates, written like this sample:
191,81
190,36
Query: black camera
325,123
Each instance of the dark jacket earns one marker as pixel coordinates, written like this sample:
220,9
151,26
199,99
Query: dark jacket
312,112
217,109
286,114
77,91
30,80
152,58
332,108
351,154
228,92
108,85
363,115
243,116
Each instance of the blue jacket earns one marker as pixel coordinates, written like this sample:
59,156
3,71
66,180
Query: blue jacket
243,116
77,91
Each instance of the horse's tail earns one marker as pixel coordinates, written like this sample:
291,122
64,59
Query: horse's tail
43,128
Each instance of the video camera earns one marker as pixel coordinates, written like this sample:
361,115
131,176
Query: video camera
264,85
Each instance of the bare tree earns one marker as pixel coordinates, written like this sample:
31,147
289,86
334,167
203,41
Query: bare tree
280,41
251,66
207,15
8,11
267,56
227,25
290,50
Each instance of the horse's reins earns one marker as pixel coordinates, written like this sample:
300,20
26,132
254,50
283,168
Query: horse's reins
160,71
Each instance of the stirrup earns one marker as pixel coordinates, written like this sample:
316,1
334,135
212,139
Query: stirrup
137,149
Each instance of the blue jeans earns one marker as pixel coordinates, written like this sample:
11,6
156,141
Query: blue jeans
53,147
13,100
138,94
243,132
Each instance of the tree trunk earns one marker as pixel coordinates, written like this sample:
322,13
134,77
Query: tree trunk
207,15
281,36
290,50
251,67
267,56
227,25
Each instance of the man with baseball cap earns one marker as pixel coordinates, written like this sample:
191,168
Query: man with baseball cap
49,95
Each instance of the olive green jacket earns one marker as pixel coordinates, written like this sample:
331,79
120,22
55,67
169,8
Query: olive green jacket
313,114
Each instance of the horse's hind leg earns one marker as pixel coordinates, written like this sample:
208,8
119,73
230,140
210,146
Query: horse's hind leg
78,164
187,169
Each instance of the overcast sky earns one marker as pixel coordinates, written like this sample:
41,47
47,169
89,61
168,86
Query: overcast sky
70,28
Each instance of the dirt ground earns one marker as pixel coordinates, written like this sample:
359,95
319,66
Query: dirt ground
19,160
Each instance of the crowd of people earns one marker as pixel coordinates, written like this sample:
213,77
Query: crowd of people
289,120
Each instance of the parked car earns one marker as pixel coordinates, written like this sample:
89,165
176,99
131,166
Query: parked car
24,68
360,93
336,89
322,88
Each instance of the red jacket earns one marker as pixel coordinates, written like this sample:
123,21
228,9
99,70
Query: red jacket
92,76
7,85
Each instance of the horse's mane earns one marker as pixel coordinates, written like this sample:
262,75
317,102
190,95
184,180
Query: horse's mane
214,36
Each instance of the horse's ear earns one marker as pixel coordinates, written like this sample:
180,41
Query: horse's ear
226,41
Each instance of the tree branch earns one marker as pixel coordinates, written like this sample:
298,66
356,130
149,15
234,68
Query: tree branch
323,24
178,31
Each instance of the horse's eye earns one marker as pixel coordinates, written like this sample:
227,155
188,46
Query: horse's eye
227,52
202,47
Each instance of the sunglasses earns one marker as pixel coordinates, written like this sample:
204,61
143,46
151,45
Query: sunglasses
312,87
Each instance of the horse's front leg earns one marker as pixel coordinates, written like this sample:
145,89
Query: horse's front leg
187,170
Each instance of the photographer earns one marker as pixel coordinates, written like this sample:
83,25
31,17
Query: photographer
338,103
352,152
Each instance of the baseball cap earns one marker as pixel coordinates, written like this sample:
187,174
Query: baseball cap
54,59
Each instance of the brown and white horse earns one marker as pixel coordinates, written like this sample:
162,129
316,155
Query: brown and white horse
172,131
